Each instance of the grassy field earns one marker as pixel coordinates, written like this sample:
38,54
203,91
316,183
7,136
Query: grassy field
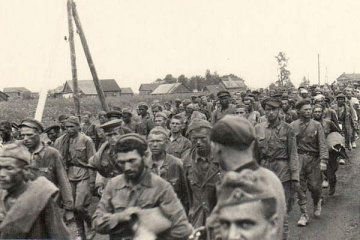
16,110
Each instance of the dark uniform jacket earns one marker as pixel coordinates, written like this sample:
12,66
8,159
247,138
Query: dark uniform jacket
179,147
202,177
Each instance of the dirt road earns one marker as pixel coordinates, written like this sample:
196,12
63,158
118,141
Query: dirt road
340,219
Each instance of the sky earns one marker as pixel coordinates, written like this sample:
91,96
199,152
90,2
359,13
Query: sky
139,41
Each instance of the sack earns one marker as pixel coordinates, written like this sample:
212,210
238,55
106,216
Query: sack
334,139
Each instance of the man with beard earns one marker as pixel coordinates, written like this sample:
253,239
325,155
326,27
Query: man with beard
61,120
313,158
202,173
334,151
278,152
246,209
46,161
137,191
233,145
76,149
103,160
27,208
225,106
179,146
146,124
165,165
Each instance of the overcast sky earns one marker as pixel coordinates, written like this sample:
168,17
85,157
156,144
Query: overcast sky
139,41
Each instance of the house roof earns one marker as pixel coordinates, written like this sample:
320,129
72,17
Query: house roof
149,86
3,95
16,89
214,88
231,84
87,87
349,76
126,91
166,88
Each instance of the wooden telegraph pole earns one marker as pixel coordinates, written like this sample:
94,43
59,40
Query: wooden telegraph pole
99,90
319,69
73,58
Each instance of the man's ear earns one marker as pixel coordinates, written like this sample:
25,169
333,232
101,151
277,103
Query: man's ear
273,226
27,173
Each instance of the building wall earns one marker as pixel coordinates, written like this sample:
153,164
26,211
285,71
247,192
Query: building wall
181,89
13,95
112,94
145,92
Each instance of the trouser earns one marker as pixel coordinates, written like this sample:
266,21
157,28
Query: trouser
82,197
310,178
289,198
332,167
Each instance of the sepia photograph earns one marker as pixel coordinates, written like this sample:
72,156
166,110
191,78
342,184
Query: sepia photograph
180,119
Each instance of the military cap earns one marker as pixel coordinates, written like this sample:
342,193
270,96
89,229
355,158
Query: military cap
234,132
159,129
238,188
319,97
255,92
16,151
193,97
114,113
110,125
223,93
127,111
101,113
143,104
131,136
161,114
55,126
340,95
303,90
5,126
116,108
15,125
73,120
301,103
318,106
198,123
186,102
87,113
273,102
177,100
32,123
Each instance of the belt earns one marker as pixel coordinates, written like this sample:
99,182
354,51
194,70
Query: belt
313,154
276,159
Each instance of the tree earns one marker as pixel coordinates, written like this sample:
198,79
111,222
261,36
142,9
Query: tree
284,73
305,82
170,79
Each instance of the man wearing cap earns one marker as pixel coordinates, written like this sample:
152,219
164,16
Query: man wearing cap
253,116
165,165
53,133
113,114
278,152
179,146
76,149
233,145
5,133
345,118
161,119
100,137
136,191
225,106
103,160
246,209
290,114
46,161
88,127
202,173
313,158
146,124
61,120
28,209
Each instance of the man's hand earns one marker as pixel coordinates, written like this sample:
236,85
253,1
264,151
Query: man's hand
323,166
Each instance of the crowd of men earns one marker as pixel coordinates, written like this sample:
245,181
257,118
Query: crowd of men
224,167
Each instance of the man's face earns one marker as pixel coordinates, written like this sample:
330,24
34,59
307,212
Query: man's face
305,111
189,110
200,139
157,143
53,135
240,111
112,136
160,121
102,118
72,128
271,113
62,124
11,174
176,125
224,101
285,105
30,136
245,221
348,92
142,111
86,118
248,104
131,163
317,113
155,110
341,101
126,117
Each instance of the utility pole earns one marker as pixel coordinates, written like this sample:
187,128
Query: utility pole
319,69
89,59
73,59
